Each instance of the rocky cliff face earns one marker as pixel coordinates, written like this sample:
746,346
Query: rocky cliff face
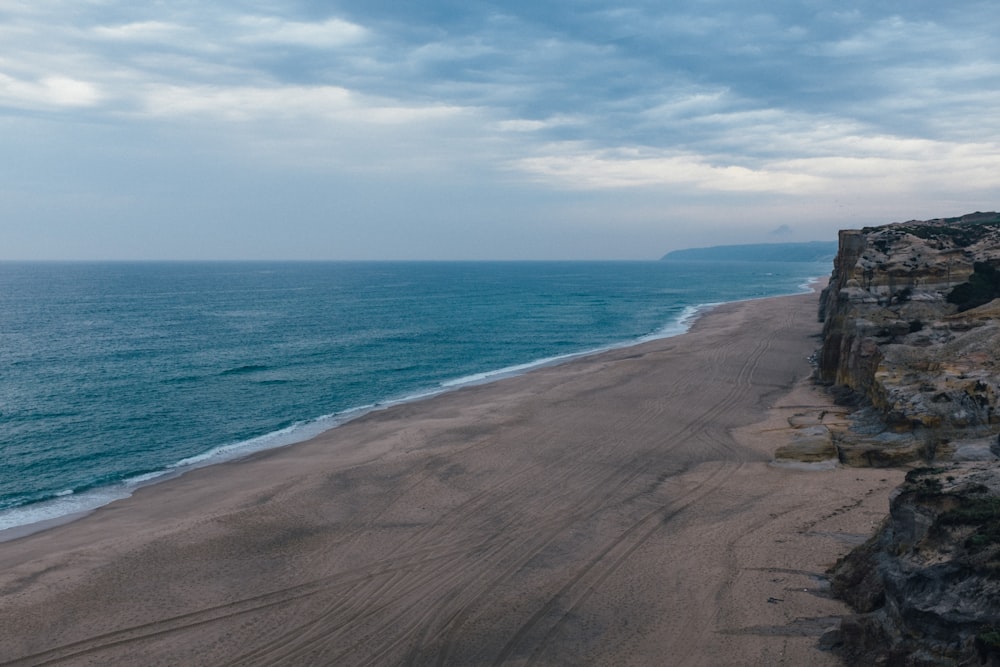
894,339
927,586
912,334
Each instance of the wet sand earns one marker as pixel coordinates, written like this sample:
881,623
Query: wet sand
619,509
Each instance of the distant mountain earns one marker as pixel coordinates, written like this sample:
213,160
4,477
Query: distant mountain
812,251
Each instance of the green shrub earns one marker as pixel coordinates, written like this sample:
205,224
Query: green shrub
983,514
915,474
983,286
973,511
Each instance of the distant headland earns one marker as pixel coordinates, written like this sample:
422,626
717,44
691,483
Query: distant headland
811,251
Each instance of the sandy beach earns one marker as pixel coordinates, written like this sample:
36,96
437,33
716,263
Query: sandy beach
619,509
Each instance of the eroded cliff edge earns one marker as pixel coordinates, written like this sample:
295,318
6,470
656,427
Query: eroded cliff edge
897,339
912,337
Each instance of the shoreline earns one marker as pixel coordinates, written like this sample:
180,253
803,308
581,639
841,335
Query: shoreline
73,505
618,508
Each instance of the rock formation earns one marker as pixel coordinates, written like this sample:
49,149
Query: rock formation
927,586
894,340
912,336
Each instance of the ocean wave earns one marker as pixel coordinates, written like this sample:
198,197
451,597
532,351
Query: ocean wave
62,508
680,325
69,504
282,437
242,370
516,369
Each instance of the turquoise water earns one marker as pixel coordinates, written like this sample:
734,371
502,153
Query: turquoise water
115,374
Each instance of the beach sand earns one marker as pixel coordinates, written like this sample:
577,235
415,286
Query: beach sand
618,509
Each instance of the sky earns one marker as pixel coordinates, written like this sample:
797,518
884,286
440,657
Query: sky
475,129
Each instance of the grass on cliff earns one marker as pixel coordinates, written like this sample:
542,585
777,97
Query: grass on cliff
987,643
981,512
959,232
924,482
974,506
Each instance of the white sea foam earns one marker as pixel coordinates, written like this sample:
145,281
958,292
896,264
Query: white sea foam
679,326
812,283
509,371
68,504
65,507
674,328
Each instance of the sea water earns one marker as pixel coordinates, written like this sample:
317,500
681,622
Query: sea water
114,375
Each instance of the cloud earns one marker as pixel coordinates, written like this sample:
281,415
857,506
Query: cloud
521,125
247,103
527,125
914,170
637,107
635,168
49,92
141,31
330,33
895,37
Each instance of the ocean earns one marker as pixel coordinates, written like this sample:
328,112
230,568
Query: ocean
119,374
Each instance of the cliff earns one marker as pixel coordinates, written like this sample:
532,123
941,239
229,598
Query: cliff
912,336
897,339
927,586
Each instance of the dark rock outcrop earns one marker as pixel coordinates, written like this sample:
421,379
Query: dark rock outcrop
927,586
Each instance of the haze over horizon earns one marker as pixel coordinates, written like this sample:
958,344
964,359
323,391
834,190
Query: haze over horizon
485,130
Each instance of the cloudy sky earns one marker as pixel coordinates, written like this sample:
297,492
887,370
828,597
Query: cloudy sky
474,129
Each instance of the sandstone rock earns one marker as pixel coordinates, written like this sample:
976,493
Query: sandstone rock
974,450
806,419
891,336
813,444
878,455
